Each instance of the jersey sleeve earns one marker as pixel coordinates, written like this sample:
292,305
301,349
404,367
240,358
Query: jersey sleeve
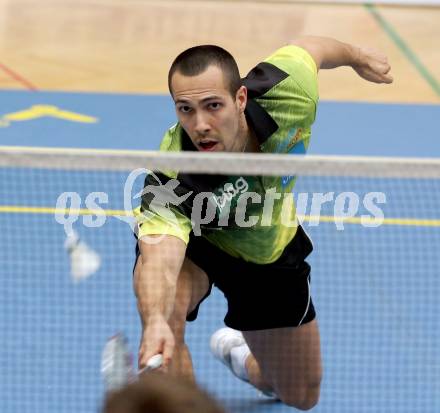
162,210
293,101
301,67
152,223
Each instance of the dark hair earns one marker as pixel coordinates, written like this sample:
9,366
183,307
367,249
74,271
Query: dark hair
197,59
160,393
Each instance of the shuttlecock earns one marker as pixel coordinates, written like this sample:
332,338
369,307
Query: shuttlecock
116,363
84,261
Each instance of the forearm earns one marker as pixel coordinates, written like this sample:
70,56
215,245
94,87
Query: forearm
156,277
155,291
329,53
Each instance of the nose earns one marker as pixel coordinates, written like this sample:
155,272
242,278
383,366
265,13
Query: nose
202,126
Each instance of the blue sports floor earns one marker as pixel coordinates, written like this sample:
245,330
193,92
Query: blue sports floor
376,290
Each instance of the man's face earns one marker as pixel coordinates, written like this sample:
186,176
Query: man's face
211,117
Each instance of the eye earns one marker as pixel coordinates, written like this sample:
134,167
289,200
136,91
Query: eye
184,109
214,105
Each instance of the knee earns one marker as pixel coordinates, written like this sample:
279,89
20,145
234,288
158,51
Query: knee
302,397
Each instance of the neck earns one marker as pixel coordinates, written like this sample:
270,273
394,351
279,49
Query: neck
249,138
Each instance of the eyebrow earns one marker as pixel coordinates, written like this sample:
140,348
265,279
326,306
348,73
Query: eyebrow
204,100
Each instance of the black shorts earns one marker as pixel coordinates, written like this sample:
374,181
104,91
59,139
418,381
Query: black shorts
259,296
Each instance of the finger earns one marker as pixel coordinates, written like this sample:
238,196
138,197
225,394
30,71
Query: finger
384,75
145,355
388,79
380,68
386,69
371,76
381,78
381,74
140,354
141,361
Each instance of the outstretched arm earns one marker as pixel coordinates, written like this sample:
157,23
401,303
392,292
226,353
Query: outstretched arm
155,281
328,53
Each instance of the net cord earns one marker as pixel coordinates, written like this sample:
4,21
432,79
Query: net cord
219,162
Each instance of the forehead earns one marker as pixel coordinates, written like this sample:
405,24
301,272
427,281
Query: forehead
211,81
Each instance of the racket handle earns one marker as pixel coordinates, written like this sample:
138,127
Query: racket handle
153,363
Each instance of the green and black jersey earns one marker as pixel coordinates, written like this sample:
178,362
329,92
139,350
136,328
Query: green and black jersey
282,101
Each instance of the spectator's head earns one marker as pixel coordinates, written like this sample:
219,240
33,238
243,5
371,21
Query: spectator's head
160,393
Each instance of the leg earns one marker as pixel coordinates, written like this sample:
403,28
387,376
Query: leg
192,285
289,361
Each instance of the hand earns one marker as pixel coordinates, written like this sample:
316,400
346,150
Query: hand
157,338
373,66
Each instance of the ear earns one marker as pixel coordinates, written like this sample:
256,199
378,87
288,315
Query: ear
241,98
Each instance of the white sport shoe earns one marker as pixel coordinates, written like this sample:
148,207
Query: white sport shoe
222,343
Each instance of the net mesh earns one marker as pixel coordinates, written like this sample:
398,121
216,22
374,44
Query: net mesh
375,227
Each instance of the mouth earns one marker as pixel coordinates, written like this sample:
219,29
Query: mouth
207,145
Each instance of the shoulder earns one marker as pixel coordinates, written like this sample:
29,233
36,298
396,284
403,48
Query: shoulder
292,59
172,139
176,139
289,72
171,142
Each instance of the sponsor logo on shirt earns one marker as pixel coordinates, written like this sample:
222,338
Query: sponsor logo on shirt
230,191
295,139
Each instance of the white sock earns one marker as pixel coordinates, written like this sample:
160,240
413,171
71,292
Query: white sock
239,355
